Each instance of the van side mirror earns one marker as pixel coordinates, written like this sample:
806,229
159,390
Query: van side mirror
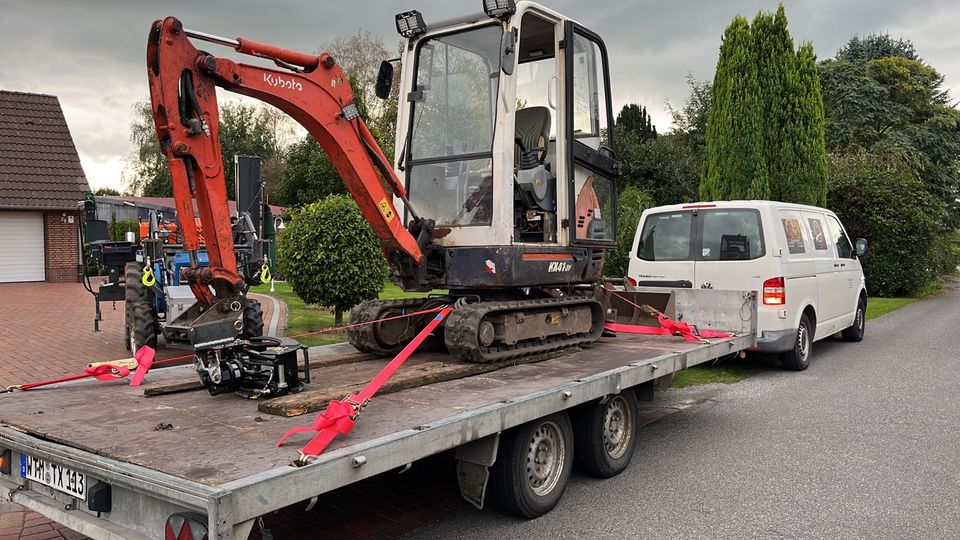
861,245
384,79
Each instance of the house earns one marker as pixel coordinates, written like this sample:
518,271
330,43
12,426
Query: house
41,182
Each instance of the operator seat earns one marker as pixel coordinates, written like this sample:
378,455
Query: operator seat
532,136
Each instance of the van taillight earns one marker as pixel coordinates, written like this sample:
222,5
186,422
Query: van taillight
773,292
631,281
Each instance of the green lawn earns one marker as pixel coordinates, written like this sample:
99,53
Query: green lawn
879,306
303,318
730,371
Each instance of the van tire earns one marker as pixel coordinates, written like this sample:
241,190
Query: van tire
854,333
798,358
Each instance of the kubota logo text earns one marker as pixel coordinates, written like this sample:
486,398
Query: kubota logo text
280,82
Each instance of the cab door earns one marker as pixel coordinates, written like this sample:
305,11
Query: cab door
591,166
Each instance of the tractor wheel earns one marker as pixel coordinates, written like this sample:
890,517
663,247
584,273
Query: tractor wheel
141,326
133,286
252,319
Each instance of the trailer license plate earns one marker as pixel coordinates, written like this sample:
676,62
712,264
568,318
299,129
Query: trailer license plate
56,476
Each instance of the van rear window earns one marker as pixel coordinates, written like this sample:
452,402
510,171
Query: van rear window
666,237
731,235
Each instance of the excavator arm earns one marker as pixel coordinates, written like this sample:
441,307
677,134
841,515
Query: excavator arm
311,89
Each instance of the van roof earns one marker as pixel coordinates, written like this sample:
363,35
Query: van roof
757,204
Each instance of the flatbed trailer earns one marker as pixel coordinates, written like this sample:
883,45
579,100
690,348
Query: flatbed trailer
214,458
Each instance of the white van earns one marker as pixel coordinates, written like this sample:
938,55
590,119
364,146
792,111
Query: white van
798,258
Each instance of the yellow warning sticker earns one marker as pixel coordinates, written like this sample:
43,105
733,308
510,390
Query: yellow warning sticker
386,209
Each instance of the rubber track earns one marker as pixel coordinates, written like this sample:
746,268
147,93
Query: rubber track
463,325
364,338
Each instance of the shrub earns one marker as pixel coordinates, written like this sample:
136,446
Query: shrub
118,229
630,205
330,255
880,199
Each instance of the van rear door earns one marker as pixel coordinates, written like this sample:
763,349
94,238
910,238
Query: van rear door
663,250
731,242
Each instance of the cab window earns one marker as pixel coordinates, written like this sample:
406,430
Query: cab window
844,247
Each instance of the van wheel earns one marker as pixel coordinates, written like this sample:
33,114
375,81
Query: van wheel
533,466
798,358
606,435
855,333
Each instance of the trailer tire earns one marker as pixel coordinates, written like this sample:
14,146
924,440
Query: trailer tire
533,466
252,319
141,326
798,358
605,434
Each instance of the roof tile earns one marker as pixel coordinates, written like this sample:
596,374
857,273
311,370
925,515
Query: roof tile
39,164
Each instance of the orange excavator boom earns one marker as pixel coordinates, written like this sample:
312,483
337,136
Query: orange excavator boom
312,89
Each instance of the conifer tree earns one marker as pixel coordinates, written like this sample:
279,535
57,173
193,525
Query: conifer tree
735,168
811,180
766,124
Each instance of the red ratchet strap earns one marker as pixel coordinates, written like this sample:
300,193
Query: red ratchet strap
106,371
339,416
668,327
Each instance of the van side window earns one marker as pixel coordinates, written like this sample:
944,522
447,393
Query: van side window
731,235
844,248
666,237
791,227
818,234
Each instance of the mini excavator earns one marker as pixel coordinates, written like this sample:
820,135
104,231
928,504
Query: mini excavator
503,190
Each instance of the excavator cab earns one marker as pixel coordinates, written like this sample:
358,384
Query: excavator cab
504,140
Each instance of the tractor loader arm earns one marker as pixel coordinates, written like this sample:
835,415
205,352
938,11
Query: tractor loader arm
311,89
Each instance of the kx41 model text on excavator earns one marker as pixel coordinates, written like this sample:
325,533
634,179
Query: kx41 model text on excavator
502,192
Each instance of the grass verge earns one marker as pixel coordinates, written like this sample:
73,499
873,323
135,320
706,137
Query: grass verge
880,306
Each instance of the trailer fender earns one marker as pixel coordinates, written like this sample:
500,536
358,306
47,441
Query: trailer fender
473,467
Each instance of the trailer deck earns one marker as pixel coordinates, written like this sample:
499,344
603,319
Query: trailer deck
216,455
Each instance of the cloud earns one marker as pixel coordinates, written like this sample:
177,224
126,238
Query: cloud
91,54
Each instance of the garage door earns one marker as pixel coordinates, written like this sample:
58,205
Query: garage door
21,246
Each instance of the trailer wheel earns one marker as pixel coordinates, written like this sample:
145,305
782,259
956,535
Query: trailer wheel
606,435
533,465
141,326
798,358
252,319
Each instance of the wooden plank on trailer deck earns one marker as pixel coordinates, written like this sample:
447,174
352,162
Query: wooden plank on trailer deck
411,375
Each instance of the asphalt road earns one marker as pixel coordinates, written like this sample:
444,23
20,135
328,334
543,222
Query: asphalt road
865,443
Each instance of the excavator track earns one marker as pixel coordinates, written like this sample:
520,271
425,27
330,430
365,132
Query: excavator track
388,337
494,331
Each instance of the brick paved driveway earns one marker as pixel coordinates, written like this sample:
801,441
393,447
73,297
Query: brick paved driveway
46,331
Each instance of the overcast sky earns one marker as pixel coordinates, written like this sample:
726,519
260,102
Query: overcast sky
90,53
